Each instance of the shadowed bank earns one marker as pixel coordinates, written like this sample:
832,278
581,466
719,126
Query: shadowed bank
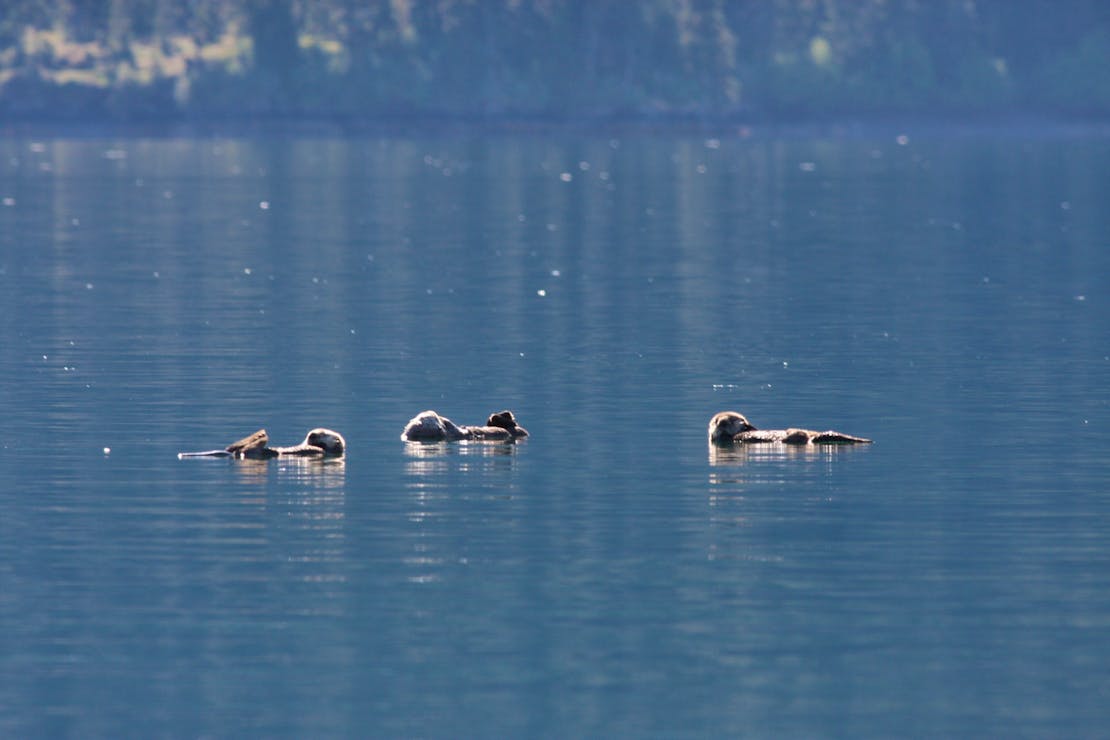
528,60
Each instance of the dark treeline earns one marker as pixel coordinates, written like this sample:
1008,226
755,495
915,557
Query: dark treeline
69,59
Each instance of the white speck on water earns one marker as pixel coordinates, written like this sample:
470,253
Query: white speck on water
75,222
88,286
807,166
541,292
107,450
44,357
167,194
9,202
555,273
701,169
566,177
264,205
902,139
115,154
156,275
552,227
785,363
352,332
1081,298
986,279
522,354
521,218
38,147
712,143
246,271
584,166
603,175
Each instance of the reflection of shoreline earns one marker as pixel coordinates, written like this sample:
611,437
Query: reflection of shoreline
735,455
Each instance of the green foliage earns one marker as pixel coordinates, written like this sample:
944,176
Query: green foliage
560,58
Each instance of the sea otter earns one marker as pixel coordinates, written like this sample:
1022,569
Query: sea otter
428,426
318,442
729,426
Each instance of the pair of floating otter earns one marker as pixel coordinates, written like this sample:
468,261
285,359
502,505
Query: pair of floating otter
428,426
318,442
730,427
425,427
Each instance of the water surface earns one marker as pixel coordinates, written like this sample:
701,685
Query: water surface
944,294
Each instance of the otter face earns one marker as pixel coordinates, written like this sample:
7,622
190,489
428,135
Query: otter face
726,425
505,420
332,443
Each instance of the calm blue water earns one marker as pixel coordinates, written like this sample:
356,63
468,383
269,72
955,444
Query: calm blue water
945,294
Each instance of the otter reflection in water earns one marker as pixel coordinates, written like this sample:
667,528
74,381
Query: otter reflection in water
428,426
730,427
318,442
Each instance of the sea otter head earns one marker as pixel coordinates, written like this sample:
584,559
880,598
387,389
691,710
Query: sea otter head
427,425
331,442
726,425
506,420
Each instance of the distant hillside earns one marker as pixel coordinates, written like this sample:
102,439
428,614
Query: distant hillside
563,59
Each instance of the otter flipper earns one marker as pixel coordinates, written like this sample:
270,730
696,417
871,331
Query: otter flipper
253,446
254,441
837,438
